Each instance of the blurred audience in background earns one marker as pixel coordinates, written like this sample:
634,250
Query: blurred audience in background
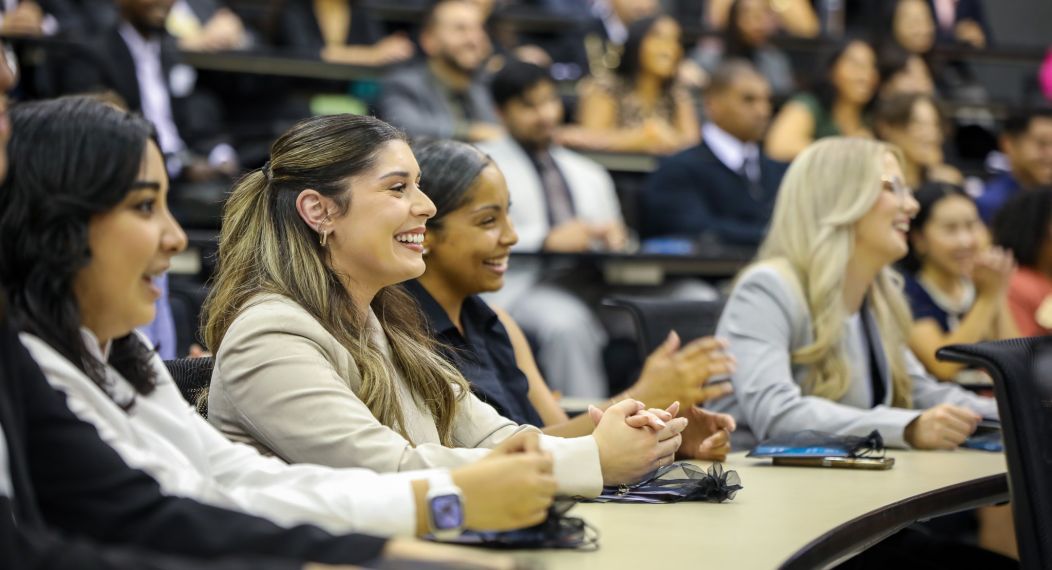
795,17
340,31
641,107
835,106
1024,227
723,189
1026,140
913,123
444,96
747,35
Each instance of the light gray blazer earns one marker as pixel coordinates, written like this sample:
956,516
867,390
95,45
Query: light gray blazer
765,320
413,99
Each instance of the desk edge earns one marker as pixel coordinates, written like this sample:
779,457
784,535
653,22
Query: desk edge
854,535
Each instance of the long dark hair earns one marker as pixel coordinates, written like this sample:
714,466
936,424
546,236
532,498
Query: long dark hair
928,197
734,44
449,169
631,58
70,159
822,87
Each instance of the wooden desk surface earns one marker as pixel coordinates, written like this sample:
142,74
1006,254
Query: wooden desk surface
793,517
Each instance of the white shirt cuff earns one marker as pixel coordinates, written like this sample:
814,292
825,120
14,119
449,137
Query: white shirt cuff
577,469
389,508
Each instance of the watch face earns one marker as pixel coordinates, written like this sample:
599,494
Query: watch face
446,512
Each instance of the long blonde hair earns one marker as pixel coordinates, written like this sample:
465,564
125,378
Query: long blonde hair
265,247
829,187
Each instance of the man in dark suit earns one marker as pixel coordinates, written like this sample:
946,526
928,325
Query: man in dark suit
724,188
138,61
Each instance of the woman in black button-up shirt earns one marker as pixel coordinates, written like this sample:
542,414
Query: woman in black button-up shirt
467,249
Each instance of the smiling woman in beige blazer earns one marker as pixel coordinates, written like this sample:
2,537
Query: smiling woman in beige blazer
321,358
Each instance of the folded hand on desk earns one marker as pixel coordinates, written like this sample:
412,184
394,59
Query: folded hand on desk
633,441
707,435
510,488
942,427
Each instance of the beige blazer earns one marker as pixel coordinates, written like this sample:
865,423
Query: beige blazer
283,384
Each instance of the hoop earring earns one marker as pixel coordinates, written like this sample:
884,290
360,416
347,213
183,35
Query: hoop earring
324,237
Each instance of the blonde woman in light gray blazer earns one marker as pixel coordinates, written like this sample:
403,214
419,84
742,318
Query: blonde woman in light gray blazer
819,323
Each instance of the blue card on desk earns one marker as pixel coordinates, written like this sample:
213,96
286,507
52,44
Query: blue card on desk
668,246
784,451
810,443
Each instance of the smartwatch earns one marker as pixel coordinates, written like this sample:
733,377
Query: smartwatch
445,506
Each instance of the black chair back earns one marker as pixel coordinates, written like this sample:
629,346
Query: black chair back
654,318
1022,373
192,376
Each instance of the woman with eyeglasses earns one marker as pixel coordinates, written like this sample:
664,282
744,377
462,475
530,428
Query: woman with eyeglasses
818,324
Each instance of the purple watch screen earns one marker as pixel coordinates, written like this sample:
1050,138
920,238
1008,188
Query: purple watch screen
445,509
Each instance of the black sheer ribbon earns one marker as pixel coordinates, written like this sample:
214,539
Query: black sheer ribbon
676,483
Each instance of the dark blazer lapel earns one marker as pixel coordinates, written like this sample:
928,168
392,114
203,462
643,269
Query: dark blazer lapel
873,334
14,425
122,70
731,179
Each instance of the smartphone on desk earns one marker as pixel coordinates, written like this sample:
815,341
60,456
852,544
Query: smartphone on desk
988,426
873,463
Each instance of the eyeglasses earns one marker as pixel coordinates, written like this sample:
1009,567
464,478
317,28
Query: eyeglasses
898,187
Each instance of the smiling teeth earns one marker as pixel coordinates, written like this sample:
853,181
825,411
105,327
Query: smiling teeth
410,238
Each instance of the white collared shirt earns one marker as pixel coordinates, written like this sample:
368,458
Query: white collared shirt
153,89
164,436
731,151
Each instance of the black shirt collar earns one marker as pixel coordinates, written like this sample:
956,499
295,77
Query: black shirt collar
440,323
